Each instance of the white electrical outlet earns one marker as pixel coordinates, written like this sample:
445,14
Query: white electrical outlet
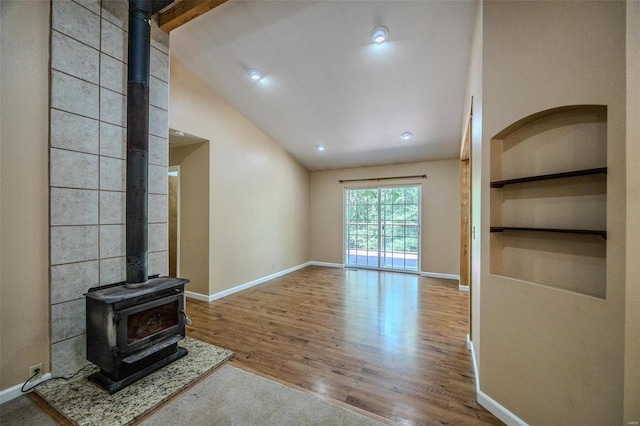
35,369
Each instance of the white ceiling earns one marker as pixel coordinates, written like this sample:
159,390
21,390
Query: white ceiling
325,82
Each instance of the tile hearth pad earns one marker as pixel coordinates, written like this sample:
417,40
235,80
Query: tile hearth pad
86,404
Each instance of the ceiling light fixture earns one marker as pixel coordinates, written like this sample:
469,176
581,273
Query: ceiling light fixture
321,147
406,136
379,34
255,75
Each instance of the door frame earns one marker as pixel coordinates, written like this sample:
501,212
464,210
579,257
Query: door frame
173,169
345,221
466,218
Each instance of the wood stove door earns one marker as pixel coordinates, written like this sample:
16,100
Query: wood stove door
142,325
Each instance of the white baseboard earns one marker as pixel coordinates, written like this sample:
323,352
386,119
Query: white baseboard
499,411
439,275
489,403
7,395
215,296
197,296
463,287
475,364
326,264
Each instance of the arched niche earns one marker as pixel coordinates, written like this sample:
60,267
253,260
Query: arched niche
549,199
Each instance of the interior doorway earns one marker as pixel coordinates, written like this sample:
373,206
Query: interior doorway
382,228
189,248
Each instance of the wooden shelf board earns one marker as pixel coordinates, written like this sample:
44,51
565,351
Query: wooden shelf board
601,233
586,172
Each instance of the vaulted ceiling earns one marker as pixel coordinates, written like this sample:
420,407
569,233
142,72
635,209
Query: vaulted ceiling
325,82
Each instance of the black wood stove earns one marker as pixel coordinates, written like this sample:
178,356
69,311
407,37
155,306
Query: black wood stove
134,332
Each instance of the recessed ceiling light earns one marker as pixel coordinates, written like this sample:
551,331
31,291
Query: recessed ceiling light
255,75
321,147
379,34
406,135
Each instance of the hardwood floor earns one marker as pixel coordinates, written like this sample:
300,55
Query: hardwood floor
390,344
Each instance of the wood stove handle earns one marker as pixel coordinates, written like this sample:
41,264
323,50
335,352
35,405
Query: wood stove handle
187,320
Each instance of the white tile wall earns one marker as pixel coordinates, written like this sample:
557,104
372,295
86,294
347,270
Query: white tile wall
112,207
158,236
71,94
158,179
113,107
158,122
73,244
158,151
114,41
159,263
69,355
113,74
72,57
74,206
88,171
112,270
113,174
158,208
92,5
112,241
72,169
74,132
159,93
72,19
113,140
116,12
159,39
67,320
71,280
159,64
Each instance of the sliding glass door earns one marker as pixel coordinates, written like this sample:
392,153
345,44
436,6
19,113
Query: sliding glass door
382,228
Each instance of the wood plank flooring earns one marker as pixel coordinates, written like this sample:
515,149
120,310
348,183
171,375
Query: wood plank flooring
390,344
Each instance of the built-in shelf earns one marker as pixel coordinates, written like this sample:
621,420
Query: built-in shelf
603,234
587,172
550,228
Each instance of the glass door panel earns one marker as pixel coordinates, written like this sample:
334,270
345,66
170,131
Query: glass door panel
362,230
382,228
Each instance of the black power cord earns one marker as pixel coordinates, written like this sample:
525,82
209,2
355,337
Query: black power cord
49,379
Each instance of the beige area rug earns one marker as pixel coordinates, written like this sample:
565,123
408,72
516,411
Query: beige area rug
86,404
231,396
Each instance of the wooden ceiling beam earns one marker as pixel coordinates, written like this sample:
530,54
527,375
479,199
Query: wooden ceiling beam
185,11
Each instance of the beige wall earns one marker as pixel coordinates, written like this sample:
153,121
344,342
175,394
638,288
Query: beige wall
440,211
548,355
632,321
259,194
194,214
24,111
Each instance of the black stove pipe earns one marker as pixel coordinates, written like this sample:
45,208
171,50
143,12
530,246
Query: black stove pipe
138,142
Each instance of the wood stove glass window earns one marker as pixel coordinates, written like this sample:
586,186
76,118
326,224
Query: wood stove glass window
151,321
